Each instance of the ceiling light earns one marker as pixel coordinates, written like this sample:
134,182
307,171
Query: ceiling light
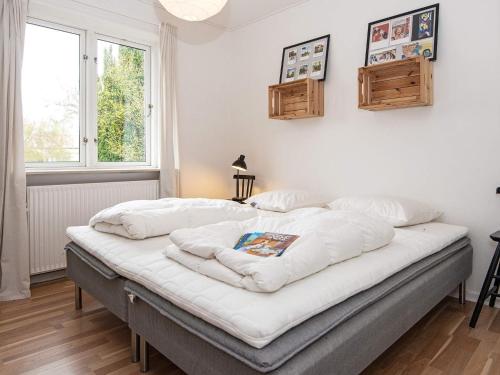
193,10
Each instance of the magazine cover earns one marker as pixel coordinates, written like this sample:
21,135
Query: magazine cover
265,244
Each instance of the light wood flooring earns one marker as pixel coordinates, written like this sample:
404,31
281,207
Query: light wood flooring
45,335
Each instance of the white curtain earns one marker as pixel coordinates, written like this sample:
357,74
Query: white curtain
14,254
169,161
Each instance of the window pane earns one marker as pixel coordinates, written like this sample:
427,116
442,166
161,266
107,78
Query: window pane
51,97
120,103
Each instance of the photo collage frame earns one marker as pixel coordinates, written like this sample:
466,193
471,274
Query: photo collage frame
305,60
403,36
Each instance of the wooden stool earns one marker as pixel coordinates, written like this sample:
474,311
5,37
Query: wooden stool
244,187
487,290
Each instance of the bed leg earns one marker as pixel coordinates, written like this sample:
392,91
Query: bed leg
461,293
78,297
144,354
134,341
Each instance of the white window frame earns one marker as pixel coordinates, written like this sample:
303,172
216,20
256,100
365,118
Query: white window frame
88,103
82,97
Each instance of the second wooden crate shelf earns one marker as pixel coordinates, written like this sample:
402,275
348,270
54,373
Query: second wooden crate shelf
397,84
298,99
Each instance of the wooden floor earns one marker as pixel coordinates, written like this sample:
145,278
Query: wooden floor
45,335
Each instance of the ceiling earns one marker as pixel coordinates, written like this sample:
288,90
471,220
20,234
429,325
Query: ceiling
239,13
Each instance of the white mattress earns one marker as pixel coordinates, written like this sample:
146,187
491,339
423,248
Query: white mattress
258,318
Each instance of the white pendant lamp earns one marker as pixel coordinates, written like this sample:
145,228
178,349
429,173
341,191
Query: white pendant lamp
193,10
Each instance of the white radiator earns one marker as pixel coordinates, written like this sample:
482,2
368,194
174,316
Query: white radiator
51,209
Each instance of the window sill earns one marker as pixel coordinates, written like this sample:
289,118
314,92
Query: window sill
41,171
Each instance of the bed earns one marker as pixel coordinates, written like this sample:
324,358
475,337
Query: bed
103,282
312,341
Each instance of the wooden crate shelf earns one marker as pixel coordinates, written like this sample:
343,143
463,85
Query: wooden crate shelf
298,99
396,84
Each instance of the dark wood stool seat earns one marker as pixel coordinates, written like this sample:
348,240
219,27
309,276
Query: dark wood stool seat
495,236
488,291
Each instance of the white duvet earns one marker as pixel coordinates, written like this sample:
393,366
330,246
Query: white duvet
143,219
324,239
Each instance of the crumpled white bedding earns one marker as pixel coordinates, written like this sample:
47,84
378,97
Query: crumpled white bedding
325,239
258,318
150,218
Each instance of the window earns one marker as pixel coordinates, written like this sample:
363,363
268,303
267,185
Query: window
86,99
121,103
51,96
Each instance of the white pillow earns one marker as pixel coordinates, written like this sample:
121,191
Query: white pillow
285,200
399,212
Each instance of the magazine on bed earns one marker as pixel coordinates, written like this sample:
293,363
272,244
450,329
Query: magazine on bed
265,244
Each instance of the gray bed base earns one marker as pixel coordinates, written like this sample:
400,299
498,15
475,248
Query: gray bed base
97,279
344,348
199,348
101,282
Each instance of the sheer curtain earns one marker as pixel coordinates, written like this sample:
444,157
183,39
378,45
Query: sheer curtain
14,254
169,161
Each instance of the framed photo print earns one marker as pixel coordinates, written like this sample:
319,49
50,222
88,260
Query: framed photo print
402,36
305,60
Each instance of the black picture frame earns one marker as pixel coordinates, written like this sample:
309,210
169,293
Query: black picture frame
327,37
414,12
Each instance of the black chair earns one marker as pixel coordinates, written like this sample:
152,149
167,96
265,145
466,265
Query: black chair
487,290
244,187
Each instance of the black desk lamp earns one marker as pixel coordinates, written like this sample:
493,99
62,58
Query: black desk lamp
240,164
245,191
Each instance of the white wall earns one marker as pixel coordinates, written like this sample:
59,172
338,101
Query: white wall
205,128
447,155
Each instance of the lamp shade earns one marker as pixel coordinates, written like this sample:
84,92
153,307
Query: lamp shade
240,163
193,10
